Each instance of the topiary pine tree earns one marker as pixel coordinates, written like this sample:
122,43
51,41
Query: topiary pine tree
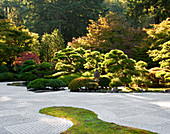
119,66
70,59
142,79
94,60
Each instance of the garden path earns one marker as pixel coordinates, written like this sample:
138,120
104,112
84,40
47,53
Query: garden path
19,110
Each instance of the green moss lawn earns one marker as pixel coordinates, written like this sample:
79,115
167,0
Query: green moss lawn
87,122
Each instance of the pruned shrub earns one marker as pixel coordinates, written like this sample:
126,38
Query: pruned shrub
104,81
56,75
68,78
43,84
7,76
159,77
38,84
44,66
55,83
78,83
27,76
3,69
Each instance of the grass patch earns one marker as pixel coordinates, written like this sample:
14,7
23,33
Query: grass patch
87,122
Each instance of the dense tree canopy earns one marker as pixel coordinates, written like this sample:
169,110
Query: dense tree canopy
120,67
15,40
141,9
110,32
50,43
71,17
159,36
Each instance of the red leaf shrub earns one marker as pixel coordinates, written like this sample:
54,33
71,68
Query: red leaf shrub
26,56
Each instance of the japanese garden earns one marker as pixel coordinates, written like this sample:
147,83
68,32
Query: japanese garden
89,46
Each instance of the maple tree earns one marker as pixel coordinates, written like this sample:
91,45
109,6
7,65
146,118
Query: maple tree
110,32
26,56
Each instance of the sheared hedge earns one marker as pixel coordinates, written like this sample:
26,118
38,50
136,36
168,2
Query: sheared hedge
68,78
44,84
76,84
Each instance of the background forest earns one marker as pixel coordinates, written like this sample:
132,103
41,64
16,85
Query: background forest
127,40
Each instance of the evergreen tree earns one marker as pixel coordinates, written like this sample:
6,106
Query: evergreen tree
156,9
70,60
159,36
111,32
119,66
15,40
50,43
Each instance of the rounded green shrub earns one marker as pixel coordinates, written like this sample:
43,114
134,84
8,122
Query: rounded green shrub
77,83
3,69
8,76
55,83
28,68
43,84
44,66
104,81
38,84
27,77
68,78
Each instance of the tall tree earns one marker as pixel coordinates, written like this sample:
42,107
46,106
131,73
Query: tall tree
15,40
159,37
51,43
111,32
138,9
71,17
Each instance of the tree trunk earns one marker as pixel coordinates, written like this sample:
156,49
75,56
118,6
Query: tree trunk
157,21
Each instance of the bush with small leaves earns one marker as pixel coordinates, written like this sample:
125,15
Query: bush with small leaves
104,81
44,84
7,76
27,76
68,78
38,84
55,83
3,69
76,84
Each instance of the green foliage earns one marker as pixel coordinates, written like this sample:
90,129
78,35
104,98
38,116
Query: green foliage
76,84
87,74
68,78
111,32
159,77
87,122
115,82
45,15
94,59
120,66
44,66
55,83
3,69
152,10
159,36
70,60
38,84
15,40
51,43
104,81
42,84
27,76
58,74
142,79
8,76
